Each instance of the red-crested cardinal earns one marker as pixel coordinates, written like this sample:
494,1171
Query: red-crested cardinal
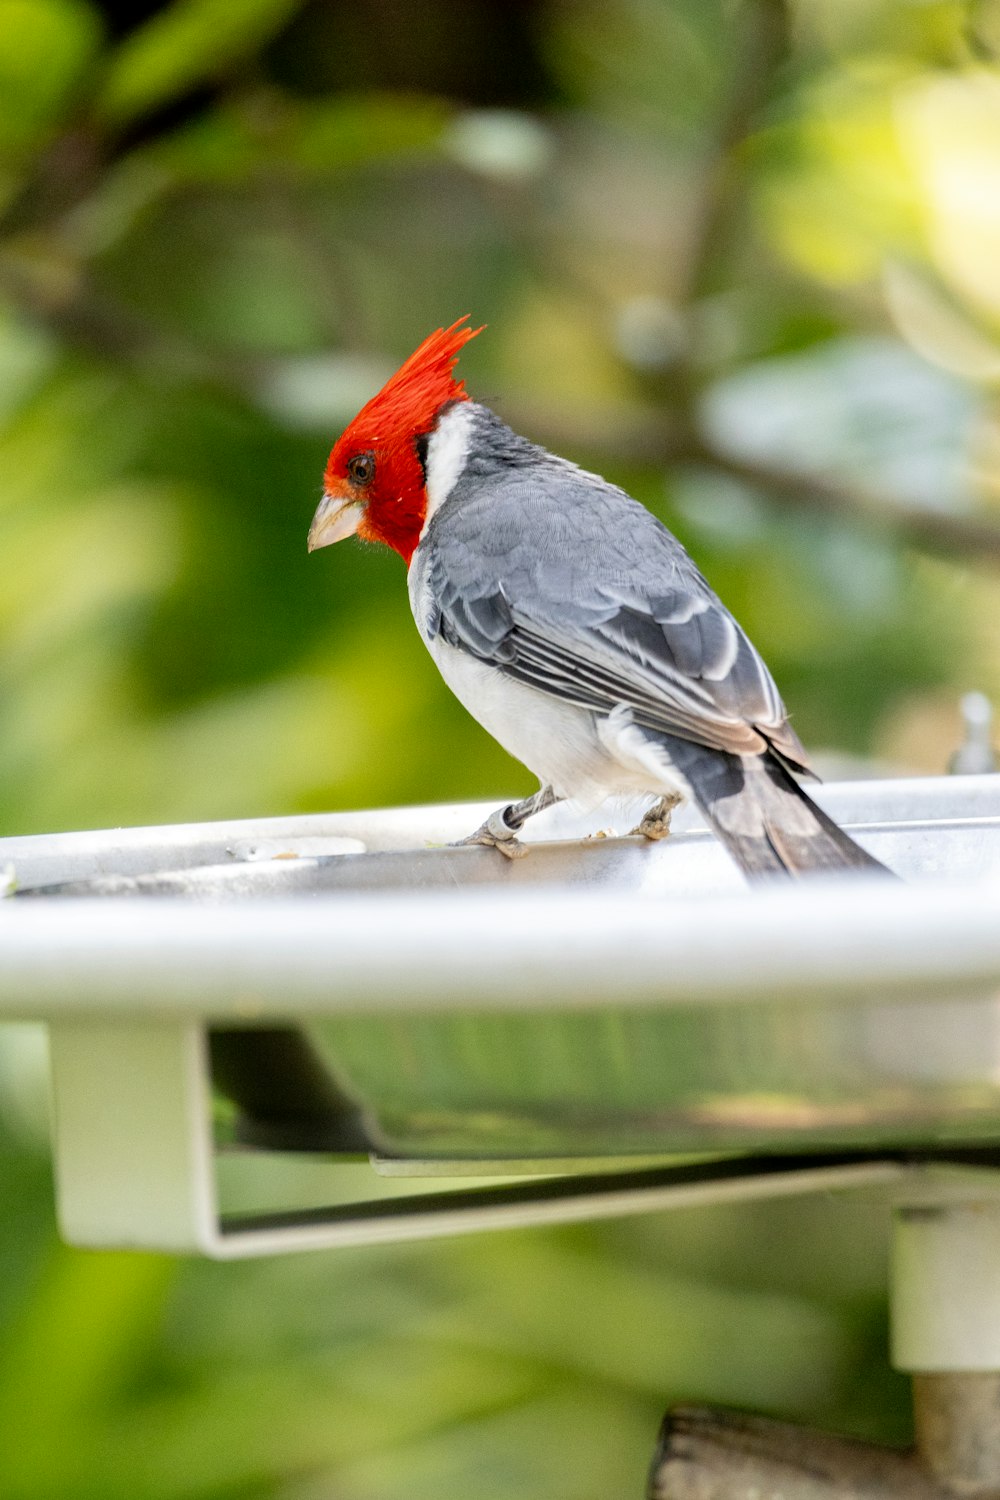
572,624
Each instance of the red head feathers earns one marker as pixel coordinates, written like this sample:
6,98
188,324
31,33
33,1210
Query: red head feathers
374,481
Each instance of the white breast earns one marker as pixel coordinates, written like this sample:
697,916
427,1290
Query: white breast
555,740
584,757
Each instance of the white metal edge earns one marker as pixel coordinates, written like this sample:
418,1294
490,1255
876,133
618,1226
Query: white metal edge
495,949
132,1135
413,827
945,1286
620,1203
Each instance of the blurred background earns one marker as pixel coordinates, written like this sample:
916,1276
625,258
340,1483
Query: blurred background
743,257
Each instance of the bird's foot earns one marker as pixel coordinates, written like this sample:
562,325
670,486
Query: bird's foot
496,833
656,823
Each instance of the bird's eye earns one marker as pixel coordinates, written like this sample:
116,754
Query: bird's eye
361,468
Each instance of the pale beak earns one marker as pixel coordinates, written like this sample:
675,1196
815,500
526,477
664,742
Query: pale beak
337,516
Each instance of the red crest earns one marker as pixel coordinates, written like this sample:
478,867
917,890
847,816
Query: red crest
388,427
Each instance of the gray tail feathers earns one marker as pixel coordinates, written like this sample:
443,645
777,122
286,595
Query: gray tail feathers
763,816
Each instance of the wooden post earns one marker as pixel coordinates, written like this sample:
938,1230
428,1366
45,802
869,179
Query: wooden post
957,1425
723,1455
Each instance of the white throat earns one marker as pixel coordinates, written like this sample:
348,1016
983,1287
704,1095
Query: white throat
447,451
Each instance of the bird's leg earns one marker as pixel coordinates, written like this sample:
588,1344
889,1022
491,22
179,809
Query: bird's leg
501,828
656,822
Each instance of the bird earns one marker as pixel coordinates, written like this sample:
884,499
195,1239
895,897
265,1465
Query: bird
572,625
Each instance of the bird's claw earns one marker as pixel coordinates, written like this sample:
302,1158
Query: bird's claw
656,822
653,828
496,833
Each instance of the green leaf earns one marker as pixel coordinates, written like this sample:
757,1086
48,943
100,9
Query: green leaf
46,44
192,41
233,142
351,131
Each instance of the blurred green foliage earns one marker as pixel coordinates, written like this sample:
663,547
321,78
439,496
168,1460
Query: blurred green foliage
741,256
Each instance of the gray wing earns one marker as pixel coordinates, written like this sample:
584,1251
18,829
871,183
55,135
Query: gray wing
568,584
